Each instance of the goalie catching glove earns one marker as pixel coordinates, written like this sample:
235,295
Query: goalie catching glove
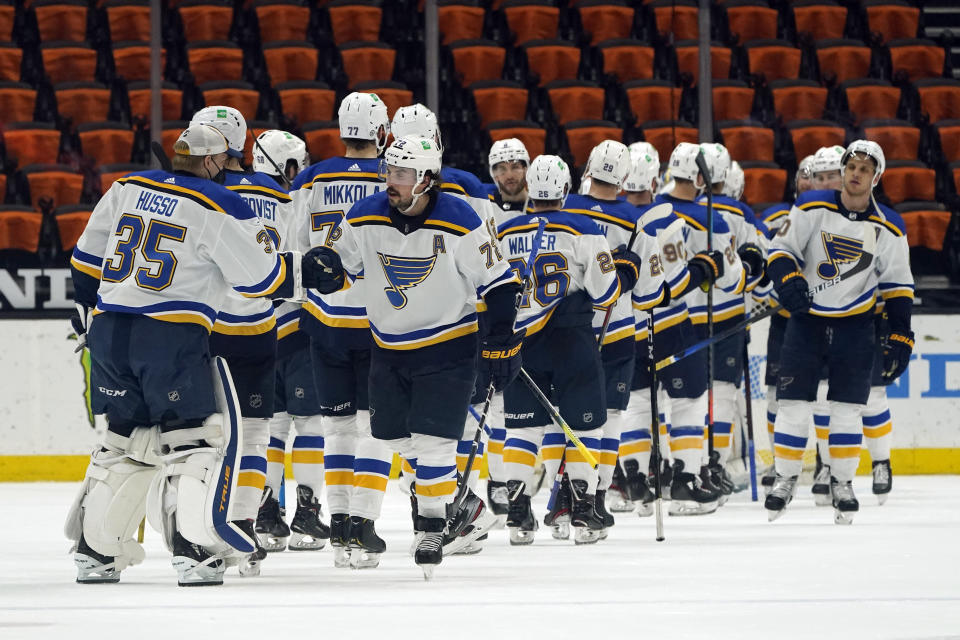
896,355
500,358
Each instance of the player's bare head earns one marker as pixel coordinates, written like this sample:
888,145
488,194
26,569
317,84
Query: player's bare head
684,171
548,181
862,165
364,124
411,168
607,167
231,124
200,150
804,178
826,167
416,120
508,161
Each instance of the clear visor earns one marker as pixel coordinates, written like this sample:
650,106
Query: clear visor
401,176
507,166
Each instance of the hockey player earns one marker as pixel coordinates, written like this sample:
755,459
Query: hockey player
155,263
280,155
834,327
357,464
425,255
735,183
641,183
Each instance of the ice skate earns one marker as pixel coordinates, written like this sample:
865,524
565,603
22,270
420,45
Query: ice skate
882,480
339,539
249,563
558,518
638,489
429,552
92,567
784,488
195,566
471,521
474,547
587,525
520,521
711,475
689,497
308,532
821,484
272,531
766,481
365,545
600,506
845,504
497,500
666,479
617,493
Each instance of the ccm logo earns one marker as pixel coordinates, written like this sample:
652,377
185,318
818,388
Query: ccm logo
494,355
113,393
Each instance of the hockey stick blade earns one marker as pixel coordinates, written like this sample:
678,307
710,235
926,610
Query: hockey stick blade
161,156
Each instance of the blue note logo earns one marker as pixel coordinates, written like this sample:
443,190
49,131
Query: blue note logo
404,273
839,250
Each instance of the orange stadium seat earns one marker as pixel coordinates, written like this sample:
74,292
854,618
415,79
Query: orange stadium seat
531,135
306,101
477,60
751,19
106,142
746,140
732,100
254,129
61,20
132,60
240,95
665,135
499,100
58,183
531,19
282,20
171,131
939,98
955,171
128,20
32,142
291,61
843,59
8,15
820,18
110,173
323,140
919,58
810,135
926,223
354,21
798,99
605,20
83,101
17,101
460,20
763,182
212,61
947,130
206,19
688,60
171,100
71,220
899,139
11,58
653,99
575,100
553,60
393,94
69,62
868,98
676,17
892,19
20,228
368,61
627,59
775,59
909,180
584,135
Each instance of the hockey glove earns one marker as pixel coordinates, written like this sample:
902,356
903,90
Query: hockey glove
81,323
628,266
753,257
500,358
793,292
708,265
322,270
896,355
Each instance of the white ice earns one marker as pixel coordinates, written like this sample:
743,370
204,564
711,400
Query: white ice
895,573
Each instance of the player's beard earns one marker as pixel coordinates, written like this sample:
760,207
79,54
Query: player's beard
512,190
396,201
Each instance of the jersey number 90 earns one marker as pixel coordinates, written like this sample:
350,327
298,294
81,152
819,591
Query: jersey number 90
161,263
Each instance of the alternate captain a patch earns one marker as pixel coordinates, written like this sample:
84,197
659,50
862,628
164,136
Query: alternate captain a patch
404,273
839,250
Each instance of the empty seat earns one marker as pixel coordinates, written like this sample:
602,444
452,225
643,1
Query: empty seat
393,94
747,140
290,61
688,60
477,60
32,142
499,100
353,21
810,135
131,60
71,220
56,184
531,135
947,130
83,101
892,19
820,18
281,20
18,101
732,100
918,57
628,59
215,61
676,17
171,100
11,59
909,180
605,20
665,135
575,100
69,62
531,19
106,142
19,228
368,61
798,99
926,223
128,20
939,98
206,19
240,95
751,19
899,139
110,173
653,99
868,98
584,135
775,59
8,15
763,182
553,60
61,20
843,59
323,140
460,20
306,101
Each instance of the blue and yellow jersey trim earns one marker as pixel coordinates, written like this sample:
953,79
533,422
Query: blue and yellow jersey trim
86,263
425,337
173,189
506,277
861,305
722,311
679,283
269,284
741,284
256,190
670,317
690,220
818,204
536,322
338,317
642,303
891,227
172,311
246,325
617,330
335,176
894,290
288,323
777,254
604,217
609,296
452,187
725,207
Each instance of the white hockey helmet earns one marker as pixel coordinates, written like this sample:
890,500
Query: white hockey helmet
227,121
507,150
361,116
804,169
548,178
735,183
274,150
683,162
869,149
413,152
416,120
644,171
827,159
644,148
718,161
609,162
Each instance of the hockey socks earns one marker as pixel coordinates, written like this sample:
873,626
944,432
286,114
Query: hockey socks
252,475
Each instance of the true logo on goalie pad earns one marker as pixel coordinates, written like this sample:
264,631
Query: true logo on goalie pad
839,250
404,273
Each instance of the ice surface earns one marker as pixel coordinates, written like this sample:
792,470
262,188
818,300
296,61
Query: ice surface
895,573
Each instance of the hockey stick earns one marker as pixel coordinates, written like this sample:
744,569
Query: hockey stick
280,172
705,172
655,431
161,156
557,418
751,451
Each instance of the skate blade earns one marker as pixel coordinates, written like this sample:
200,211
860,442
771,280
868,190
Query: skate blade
690,508
305,542
773,514
482,524
271,544
584,535
882,498
249,568
560,531
428,571
823,499
190,573
520,538
645,510
604,533
360,559
91,571
341,557
722,500
622,506
471,549
843,517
